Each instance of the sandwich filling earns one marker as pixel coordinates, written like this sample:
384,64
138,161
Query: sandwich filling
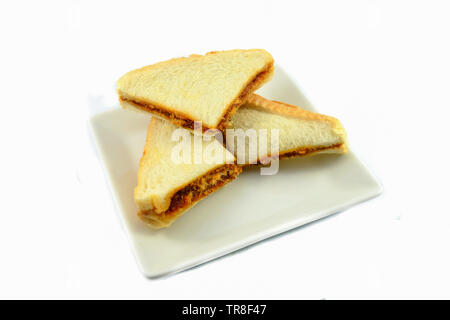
185,122
192,193
252,86
304,151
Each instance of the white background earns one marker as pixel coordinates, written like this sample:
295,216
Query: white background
381,67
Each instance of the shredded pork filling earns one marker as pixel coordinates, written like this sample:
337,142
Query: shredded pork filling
302,152
305,151
252,86
199,189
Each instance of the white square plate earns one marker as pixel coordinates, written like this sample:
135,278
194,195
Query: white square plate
250,209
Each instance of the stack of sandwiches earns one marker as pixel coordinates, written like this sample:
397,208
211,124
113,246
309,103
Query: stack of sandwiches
206,95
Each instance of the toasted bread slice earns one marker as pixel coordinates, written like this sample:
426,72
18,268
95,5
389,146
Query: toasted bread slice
167,188
301,132
206,88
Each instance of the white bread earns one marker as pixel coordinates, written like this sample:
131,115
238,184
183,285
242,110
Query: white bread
206,88
165,188
301,132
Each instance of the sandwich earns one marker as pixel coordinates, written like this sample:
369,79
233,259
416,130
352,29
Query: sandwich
208,88
167,187
300,132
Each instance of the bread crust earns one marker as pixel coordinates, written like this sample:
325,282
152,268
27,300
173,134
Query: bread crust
288,110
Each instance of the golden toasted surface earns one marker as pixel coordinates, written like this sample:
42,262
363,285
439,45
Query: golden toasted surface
285,109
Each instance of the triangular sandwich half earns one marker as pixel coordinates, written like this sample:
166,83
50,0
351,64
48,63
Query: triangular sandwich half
300,132
206,88
167,185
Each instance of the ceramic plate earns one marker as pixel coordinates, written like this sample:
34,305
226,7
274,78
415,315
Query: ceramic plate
248,210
